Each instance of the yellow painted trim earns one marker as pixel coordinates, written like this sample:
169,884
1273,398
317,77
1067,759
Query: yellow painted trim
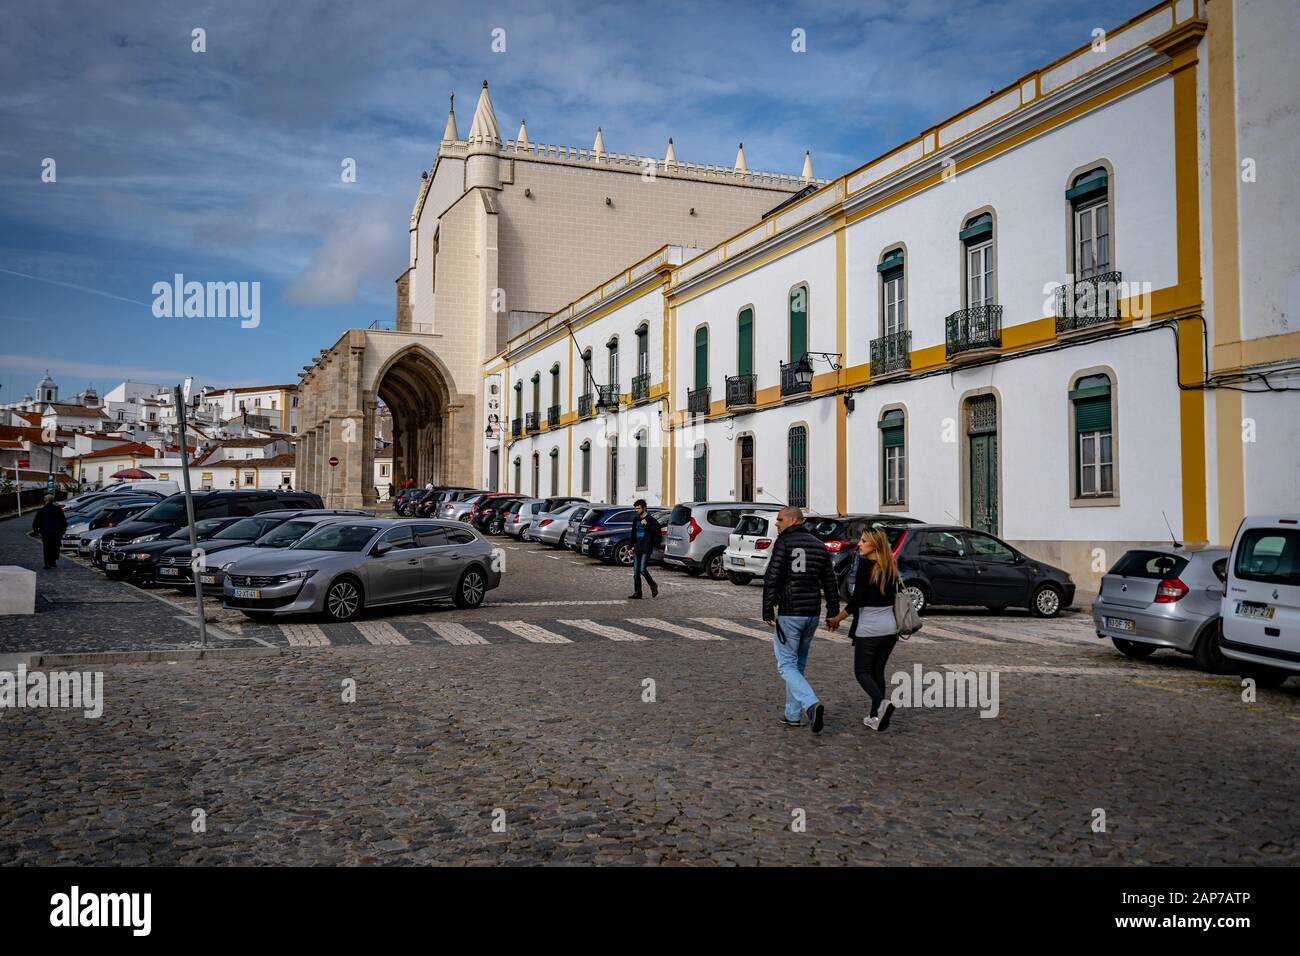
1234,356
736,272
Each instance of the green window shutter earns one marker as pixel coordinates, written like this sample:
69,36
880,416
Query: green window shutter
702,357
1087,188
642,462
977,232
1092,414
745,360
586,467
892,265
891,435
798,323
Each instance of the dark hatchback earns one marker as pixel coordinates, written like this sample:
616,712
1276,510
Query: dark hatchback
614,544
139,562
490,516
952,565
595,520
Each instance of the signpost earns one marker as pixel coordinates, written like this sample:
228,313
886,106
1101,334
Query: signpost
18,481
181,393
334,463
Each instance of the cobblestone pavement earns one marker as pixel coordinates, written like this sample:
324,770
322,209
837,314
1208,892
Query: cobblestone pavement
536,715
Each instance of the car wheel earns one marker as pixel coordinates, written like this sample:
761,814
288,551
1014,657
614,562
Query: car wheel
343,600
1206,651
564,539
1046,601
920,600
623,554
495,527
740,578
1133,649
471,589
716,566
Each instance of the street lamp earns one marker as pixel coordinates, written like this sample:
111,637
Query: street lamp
803,370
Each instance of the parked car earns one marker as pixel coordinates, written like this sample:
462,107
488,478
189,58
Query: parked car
597,519
344,567
1261,600
553,527
489,517
749,546
160,486
457,505
1164,597
139,562
81,521
698,532
840,533
105,522
614,544
520,516
399,500
468,509
952,565
429,507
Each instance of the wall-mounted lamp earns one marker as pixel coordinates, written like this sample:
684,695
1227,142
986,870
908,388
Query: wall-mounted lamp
692,210
608,201
849,403
528,193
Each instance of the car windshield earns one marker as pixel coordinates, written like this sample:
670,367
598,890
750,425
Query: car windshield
247,529
202,529
752,525
1269,556
680,515
823,528
285,534
338,537
1156,565
168,510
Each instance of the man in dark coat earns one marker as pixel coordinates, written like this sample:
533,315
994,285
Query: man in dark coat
646,533
50,523
799,574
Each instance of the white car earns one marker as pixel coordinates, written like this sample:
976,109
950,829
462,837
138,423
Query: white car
1261,599
749,547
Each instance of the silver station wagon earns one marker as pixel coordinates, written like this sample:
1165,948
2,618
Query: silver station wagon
343,567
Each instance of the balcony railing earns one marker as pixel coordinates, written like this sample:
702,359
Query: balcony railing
741,390
891,353
584,405
530,421
607,396
1083,303
796,376
974,330
553,416
697,400
641,388
516,428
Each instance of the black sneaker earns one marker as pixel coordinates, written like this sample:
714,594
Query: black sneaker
654,590
634,597
818,715
791,723
886,711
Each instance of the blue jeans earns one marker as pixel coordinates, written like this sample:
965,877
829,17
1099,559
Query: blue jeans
641,569
791,659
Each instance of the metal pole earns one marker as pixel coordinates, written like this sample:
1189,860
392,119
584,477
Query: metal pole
18,487
189,513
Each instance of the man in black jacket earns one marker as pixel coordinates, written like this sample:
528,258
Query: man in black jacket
645,538
798,574
50,523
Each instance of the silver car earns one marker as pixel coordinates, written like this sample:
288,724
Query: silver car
1164,597
343,567
553,527
521,516
458,509
698,532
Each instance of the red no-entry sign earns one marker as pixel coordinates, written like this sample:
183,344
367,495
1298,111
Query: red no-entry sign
333,461
24,462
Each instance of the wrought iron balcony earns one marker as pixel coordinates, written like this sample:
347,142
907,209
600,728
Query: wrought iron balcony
530,421
584,405
607,396
891,354
553,416
1085,303
971,332
516,428
641,388
697,400
741,390
796,376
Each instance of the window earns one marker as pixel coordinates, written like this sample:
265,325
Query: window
401,538
798,466
612,346
537,473
585,449
1094,464
798,325
702,357
1269,556
248,478
555,385
978,240
383,471
519,484
643,349
943,544
519,399
586,372
985,547
613,468
893,308
555,471
893,458
1089,198
745,342
701,484
642,460
537,394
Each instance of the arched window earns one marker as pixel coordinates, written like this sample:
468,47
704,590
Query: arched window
745,342
893,458
519,482
643,349
893,304
977,238
537,468
700,486
585,460
702,357
1094,466
612,346
642,461
553,412
555,471
537,395
586,374
798,325
797,460
1089,198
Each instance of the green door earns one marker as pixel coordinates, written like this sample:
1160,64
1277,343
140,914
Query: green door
982,438
702,357
745,360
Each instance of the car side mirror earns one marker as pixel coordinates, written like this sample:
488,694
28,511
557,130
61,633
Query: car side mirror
380,549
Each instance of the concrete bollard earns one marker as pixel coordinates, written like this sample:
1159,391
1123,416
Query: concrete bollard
17,590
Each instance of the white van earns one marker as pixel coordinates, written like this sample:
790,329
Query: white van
162,487
1261,599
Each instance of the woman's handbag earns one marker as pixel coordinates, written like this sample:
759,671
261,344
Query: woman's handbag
905,616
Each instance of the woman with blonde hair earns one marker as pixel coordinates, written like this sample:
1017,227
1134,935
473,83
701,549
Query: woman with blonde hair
875,584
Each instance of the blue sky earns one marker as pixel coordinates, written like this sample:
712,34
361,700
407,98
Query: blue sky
225,165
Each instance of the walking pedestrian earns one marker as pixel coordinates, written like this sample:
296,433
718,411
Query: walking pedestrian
646,534
390,490
799,574
874,585
49,522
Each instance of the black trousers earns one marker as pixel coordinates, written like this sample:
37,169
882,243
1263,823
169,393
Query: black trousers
50,545
870,655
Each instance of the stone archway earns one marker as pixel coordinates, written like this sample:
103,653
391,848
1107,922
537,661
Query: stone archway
416,390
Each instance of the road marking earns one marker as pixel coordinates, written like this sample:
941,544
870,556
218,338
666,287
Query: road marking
604,630
380,632
454,633
547,603
1044,669
304,635
531,632
734,627
690,633
931,629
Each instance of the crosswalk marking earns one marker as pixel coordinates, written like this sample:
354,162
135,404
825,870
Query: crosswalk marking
930,629
380,632
1008,636
604,630
531,632
734,627
690,633
304,635
454,633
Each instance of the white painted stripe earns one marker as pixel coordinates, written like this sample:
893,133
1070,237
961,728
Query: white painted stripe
381,632
547,603
454,633
604,630
531,632
936,630
734,627
690,633
1077,669
304,635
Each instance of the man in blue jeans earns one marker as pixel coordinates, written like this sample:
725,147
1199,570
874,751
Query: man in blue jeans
799,574
646,533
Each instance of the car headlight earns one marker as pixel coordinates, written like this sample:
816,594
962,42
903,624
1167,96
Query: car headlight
143,556
294,576
145,538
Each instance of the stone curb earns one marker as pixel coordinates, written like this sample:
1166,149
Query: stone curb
149,657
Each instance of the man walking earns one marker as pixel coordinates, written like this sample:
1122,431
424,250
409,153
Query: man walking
50,523
645,538
798,574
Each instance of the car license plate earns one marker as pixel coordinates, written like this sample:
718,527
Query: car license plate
1257,612
208,578
169,572
110,567
1120,624
248,593
736,562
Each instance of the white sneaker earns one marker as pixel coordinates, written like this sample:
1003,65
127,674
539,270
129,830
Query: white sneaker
886,711
872,722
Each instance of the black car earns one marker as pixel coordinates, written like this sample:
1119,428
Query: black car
952,565
430,506
139,562
599,519
614,544
120,514
169,514
490,517
840,533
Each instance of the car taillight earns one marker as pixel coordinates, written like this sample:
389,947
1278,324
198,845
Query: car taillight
762,544
112,524
694,530
1170,590
594,528
899,546
544,522
835,547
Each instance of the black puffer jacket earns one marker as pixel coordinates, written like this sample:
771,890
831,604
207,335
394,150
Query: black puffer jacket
798,574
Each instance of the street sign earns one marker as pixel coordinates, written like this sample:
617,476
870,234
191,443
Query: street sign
334,462
24,463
